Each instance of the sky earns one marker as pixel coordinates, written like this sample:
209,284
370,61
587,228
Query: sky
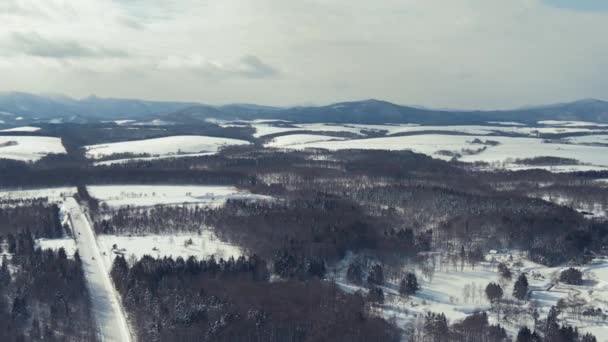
485,54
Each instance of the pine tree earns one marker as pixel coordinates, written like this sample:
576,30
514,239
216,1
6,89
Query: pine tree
409,285
520,289
376,275
494,292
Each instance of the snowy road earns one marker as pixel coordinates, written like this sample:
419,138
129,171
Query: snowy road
106,307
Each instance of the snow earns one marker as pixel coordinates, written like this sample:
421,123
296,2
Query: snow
139,159
590,139
510,148
571,123
295,139
68,244
29,148
22,129
506,123
54,195
203,246
123,122
495,128
106,307
173,145
145,195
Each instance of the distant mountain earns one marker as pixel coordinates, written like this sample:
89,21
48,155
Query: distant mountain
57,108
378,112
30,108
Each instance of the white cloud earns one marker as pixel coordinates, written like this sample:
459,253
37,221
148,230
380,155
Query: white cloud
461,53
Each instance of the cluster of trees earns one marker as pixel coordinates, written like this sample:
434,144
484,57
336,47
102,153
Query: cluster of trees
44,297
209,300
552,331
435,327
36,216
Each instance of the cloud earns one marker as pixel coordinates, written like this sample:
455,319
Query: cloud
33,44
249,66
579,5
436,53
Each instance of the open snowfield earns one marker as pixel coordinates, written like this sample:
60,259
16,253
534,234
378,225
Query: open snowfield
509,148
54,195
141,159
285,141
68,244
459,293
148,195
203,246
590,139
26,148
263,129
571,123
174,145
22,129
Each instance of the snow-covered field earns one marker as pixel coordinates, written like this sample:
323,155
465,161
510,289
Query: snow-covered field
263,129
174,146
22,129
68,244
571,123
459,293
29,148
201,246
296,139
149,195
54,195
590,139
508,149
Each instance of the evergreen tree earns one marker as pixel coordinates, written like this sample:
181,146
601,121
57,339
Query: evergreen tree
493,292
520,289
409,285
354,274
376,275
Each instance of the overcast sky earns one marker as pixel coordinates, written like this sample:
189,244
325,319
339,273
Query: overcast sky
436,53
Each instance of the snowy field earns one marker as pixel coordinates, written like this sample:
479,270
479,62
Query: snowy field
571,123
54,195
26,148
459,293
201,246
264,129
174,145
295,139
22,129
68,244
141,159
148,195
508,149
590,139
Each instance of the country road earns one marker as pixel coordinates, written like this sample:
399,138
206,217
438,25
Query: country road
109,315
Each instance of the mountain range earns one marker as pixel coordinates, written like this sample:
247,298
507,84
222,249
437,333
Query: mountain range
21,108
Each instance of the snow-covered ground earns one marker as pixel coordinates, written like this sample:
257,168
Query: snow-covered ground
459,293
54,195
571,123
263,129
202,246
106,307
140,159
149,195
174,145
296,139
68,244
590,139
508,149
22,129
29,148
